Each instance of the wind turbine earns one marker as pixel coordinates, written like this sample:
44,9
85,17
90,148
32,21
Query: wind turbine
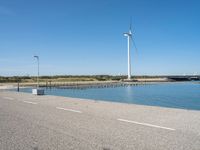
129,39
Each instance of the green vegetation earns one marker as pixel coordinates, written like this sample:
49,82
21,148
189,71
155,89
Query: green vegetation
60,78
9,79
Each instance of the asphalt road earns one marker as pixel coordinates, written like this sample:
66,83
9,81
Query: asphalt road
29,122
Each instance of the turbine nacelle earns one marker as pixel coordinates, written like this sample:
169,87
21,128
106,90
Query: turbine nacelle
128,33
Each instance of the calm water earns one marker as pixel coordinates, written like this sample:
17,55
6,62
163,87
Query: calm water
175,95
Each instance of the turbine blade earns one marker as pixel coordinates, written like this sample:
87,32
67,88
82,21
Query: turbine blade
134,44
130,24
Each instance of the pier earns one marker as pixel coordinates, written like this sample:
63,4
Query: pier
91,85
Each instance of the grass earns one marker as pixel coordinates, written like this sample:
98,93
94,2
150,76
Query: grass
67,78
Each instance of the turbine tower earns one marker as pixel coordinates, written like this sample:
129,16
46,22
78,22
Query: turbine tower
129,38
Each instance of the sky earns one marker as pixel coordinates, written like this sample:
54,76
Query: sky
85,37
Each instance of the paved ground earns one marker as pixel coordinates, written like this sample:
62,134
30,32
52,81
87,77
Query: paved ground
30,122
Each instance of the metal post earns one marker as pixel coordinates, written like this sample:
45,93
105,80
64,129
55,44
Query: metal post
38,74
46,84
37,57
50,84
18,86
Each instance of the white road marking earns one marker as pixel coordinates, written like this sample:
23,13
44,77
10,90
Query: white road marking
146,124
30,102
9,98
72,110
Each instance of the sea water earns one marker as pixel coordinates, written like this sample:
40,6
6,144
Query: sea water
185,95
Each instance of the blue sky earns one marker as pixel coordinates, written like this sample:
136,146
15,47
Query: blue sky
81,37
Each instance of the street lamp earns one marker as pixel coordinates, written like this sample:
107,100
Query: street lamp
38,91
37,57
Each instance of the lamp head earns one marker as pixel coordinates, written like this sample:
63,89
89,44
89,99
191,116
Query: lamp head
36,57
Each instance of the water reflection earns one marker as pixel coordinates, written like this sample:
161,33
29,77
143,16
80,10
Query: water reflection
129,94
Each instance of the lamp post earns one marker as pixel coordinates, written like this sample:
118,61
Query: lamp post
37,57
38,91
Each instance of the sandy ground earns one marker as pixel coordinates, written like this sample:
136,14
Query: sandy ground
6,86
153,80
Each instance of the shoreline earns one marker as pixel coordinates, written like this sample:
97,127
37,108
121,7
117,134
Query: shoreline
86,84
